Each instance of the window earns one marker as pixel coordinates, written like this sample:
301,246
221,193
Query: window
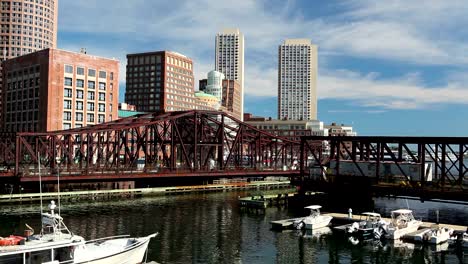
79,71
66,125
90,107
90,117
102,86
67,116
68,81
101,118
68,93
79,94
91,85
79,105
91,73
68,69
102,74
90,95
111,77
79,83
102,96
102,108
67,104
79,117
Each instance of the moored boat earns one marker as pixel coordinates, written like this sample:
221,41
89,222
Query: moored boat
57,244
314,220
402,223
369,227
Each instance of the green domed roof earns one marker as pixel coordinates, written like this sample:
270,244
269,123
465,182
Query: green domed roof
203,94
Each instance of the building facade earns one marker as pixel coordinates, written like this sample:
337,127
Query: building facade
161,81
335,129
290,129
229,58
230,96
297,80
26,26
53,89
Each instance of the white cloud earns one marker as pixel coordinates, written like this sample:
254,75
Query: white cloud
403,93
396,31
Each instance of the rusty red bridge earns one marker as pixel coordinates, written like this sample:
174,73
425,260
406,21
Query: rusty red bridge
208,145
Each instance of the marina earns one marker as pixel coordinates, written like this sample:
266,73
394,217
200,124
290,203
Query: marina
216,230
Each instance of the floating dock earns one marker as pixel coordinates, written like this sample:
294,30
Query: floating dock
284,224
344,219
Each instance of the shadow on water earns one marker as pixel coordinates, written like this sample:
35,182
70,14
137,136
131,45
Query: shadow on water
211,228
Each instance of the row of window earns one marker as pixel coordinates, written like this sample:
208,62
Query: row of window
91,72
68,93
91,84
67,104
67,116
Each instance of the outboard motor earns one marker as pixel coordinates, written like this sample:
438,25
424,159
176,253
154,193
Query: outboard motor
298,224
354,227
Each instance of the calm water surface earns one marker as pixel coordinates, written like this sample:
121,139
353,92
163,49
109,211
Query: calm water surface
212,228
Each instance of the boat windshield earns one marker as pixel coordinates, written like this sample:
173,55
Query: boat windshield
314,212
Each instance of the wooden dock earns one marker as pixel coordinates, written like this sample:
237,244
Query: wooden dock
140,192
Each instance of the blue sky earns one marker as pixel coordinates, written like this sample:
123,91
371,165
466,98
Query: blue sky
395,67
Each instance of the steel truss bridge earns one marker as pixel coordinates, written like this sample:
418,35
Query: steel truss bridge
213,144
175,144
425,167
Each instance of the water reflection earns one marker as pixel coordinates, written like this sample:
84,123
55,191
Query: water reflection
211,228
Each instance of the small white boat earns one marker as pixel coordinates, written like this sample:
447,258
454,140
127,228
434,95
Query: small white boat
314,220
367,228
57,244
402,223
434,235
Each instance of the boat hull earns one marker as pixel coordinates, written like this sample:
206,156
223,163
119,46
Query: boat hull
132,255
323,222
399,233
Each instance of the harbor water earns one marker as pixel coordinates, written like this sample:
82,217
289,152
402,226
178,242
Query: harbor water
212,228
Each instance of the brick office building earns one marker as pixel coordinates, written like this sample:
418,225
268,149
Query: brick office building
161,81
231,100
54,89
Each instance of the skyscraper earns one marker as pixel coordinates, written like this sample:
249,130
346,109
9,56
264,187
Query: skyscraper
229,57
27,26
297,80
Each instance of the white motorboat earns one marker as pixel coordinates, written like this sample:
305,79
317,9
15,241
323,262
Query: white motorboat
367,228
57,244
314,220
402,223
434,235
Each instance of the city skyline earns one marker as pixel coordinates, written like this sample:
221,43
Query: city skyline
383,74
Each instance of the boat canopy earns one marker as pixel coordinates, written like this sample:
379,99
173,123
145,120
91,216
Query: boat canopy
402,211
313,207
371,214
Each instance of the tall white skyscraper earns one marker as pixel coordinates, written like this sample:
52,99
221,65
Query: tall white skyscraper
230,58
297,80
